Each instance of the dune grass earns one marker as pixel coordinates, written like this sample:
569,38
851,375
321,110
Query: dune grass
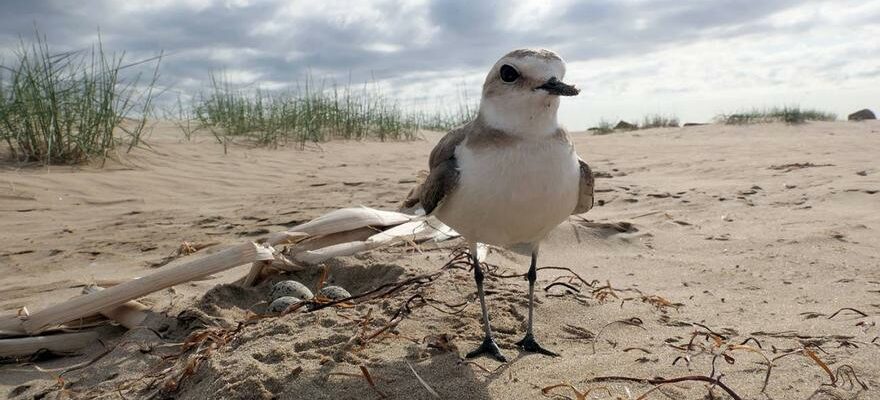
659,121
309,113
446,114
789,115
183,117
604,127
71,107
444,120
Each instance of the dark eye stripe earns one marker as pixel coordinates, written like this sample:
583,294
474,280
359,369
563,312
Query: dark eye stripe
508,73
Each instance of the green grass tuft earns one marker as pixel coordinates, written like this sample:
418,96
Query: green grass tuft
659,121
789,115
602,128
308,113
71,107
649,121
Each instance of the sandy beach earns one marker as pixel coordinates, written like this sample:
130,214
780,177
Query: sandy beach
703,238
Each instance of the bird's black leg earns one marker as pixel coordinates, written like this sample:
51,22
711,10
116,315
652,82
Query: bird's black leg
528,343
488,346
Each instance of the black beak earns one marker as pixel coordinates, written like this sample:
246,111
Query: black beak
559,88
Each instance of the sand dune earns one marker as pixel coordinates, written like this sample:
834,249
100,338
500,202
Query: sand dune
760,232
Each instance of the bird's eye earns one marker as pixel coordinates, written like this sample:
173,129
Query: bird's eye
508,73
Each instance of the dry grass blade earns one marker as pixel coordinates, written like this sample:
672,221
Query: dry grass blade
422,381
370,381
812,355
323,279
578,395
482,368
734,347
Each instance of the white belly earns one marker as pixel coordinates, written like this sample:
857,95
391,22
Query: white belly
512,196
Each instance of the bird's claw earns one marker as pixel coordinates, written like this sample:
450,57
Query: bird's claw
488,347
529,344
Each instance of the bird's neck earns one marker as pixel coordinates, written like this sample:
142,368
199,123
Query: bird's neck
527,120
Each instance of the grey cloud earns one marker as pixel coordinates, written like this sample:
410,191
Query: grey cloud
466,35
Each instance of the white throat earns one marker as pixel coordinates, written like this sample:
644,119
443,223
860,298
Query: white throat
525,117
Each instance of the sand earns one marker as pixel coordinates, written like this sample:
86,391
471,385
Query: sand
760,232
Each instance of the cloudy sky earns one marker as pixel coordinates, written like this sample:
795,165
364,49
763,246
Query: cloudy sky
693,59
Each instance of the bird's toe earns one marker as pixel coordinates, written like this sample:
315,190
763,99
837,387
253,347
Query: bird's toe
529,344
490,348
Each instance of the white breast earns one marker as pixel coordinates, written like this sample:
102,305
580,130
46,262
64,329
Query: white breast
513,195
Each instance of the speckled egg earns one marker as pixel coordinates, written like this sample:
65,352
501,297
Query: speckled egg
290,288
334,292
280,304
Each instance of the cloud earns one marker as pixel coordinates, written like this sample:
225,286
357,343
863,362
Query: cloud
431,48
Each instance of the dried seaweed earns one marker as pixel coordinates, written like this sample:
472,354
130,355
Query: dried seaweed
578,394
847,309
662,381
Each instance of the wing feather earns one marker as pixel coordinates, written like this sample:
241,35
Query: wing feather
442,174
587,184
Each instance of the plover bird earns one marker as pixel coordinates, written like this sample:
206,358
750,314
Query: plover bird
511,175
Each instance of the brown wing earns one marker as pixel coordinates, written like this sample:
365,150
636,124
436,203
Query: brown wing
585,198
442,175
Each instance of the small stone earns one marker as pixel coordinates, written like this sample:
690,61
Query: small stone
334,292
290,288
280,304
861,115
626,126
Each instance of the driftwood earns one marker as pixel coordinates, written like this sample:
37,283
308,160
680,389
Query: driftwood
166,277
339,233
255,273
130,314
412,231
10,325
347,219
304,242
320,242
60,344
278,238
346,232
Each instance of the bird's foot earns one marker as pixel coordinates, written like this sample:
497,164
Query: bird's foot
529,344
488,347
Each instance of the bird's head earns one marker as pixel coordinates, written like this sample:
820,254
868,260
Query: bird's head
522,90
